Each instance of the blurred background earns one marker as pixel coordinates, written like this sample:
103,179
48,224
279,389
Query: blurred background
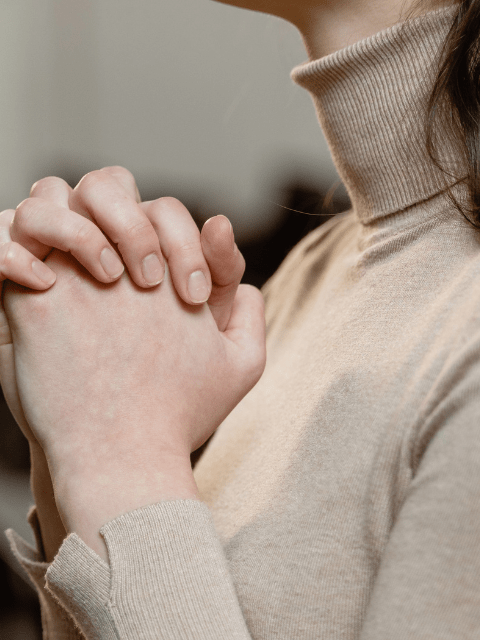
195,99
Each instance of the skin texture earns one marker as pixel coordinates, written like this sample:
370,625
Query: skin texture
119,385
51,218
329,25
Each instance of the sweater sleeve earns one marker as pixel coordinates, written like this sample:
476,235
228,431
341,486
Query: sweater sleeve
168,578
428,584
57,624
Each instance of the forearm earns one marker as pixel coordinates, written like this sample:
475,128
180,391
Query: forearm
51,526
90,500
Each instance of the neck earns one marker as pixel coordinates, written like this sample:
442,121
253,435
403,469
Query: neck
371,100
336,25
327,26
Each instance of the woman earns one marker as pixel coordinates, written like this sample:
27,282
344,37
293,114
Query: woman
339,498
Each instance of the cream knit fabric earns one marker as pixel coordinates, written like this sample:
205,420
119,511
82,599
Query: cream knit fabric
341,498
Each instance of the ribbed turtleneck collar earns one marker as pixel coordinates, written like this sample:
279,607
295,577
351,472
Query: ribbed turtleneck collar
370,99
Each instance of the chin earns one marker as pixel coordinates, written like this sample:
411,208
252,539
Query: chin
243,4
282,8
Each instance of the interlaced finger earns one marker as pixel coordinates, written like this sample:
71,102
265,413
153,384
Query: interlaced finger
17,263
102,198
126,179
55,226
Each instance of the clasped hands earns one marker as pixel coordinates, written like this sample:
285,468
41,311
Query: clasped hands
118,381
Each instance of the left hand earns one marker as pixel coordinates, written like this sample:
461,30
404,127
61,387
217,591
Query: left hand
117,381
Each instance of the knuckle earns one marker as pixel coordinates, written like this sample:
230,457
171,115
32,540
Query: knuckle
8,255
189,248
6,217
90,182
125,178
138,229
84,234
227,280
25,210
170,202
120,172
24,311
223,292
50,182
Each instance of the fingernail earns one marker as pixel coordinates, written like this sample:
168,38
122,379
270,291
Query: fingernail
111,263
152,270
41,270
197,287
232,234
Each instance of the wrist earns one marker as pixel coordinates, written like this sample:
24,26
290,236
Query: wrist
87,501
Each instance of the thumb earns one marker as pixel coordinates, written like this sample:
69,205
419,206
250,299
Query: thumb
246,331
226,264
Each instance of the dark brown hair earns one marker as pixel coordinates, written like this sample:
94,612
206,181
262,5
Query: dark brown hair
455,99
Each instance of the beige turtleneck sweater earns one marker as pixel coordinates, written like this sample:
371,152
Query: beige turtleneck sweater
341,498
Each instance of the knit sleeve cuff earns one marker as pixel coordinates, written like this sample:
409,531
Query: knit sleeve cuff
80,580
56,623
168,578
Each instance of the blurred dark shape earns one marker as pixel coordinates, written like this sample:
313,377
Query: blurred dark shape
302,208
14,453
19,607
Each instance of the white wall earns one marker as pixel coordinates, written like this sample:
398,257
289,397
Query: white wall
188,94
23,65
